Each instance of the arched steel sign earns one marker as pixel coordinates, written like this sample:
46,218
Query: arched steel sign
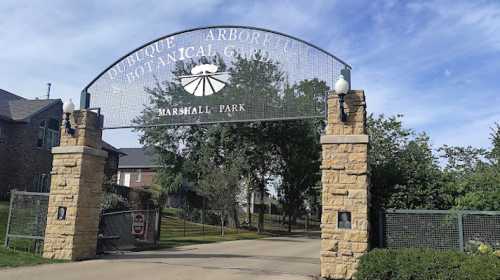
215,74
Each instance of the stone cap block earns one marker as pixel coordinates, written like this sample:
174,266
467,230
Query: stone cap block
79,150
344,139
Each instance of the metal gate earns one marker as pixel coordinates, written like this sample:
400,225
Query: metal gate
26,221
128,230
28,216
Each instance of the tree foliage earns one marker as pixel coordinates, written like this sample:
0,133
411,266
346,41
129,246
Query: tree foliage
220,170
221,161
472,175
406,172
218,161
299,155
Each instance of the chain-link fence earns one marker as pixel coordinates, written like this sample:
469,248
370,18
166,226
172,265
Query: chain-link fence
26,221
438,229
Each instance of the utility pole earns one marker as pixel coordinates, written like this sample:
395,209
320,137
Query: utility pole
48,90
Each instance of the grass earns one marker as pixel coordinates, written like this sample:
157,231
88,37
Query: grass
13,258
4,213
274,223
169,242
177,232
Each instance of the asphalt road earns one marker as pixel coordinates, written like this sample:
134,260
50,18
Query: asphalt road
270,258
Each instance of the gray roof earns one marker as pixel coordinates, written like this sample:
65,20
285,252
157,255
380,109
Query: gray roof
137,158
110,148
16,108
5,96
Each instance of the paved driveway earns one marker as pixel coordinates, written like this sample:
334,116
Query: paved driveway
271,258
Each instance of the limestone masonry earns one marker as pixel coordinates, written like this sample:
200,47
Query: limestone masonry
78,171
76,187
345,188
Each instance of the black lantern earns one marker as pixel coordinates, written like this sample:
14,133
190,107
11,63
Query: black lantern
68,108
341,89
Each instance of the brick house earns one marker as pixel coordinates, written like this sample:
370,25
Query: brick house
28,131
136,168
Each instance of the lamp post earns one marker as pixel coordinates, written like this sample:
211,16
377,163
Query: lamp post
68,108
341,89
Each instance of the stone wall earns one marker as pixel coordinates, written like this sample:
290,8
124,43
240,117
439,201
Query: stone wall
345,188
76,186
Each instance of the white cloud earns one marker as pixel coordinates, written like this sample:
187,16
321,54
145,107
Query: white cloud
422,59
401,68
68,44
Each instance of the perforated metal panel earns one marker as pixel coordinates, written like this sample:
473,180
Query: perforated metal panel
412,230
438,229
216,74
482,227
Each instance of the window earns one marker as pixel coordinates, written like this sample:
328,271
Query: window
52,133
41,183
139,176
126,179
41,134
48,135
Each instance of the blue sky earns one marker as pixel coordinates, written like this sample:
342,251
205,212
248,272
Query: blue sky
435,62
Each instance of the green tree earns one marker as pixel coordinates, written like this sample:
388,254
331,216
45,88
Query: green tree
299,153
404,172
220,172
299,158
262,79
255,146
472,175
494,154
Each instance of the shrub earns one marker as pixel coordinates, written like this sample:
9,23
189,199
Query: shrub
427,264
475,247
113,201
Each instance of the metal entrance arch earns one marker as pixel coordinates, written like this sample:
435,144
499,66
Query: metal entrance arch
204,75
214,75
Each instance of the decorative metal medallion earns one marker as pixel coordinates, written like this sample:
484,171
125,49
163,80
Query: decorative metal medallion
205,80
215,74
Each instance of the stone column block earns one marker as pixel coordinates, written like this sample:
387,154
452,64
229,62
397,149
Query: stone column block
76,187
344,224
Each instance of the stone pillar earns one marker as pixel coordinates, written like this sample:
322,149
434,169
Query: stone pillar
345,193
76,190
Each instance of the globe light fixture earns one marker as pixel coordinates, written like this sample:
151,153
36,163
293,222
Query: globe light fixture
341,89
68,108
